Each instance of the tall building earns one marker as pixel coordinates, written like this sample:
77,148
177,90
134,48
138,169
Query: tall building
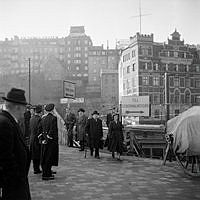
142,67
77,44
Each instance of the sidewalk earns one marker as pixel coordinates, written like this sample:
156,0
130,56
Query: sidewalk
80,178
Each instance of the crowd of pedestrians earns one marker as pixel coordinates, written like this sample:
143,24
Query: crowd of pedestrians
31,133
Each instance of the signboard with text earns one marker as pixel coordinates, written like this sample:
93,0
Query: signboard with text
135,106
69,89
67,100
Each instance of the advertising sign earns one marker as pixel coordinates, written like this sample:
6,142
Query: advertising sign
69,89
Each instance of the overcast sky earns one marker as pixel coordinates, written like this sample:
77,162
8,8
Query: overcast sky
103,19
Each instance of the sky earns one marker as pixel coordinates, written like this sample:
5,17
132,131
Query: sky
104,20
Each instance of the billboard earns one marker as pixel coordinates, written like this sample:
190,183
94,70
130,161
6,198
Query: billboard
69,89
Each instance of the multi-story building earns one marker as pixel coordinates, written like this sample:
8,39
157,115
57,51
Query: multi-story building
109,87
77,44
143,65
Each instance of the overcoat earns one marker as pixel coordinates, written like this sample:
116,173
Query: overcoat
95,132
80,127
49,152
115,135
35,147
14,159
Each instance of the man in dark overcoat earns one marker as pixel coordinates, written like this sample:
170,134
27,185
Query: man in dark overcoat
94,131
49,155
35,146
14,154
70,120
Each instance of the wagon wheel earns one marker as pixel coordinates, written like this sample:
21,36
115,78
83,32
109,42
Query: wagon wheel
189,163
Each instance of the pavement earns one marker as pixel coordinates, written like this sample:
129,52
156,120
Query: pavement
133,178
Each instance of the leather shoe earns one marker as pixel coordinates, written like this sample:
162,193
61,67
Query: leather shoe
53,172
81,149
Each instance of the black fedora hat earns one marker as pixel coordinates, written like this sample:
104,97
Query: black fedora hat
49,107
17,96
81,110
95,113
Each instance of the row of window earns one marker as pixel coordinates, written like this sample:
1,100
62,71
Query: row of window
76,61
168,67
176,54
78,42
173,81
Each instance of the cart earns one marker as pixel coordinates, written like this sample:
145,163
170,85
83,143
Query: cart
183,139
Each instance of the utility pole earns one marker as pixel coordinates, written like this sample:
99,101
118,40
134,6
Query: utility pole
29,80
167,111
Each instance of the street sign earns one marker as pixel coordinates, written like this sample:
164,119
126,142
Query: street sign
135,106
69,89
67,100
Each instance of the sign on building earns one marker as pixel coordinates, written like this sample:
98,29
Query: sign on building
135,106
67,100
69,89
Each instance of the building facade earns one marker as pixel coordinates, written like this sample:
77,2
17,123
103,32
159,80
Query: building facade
143,65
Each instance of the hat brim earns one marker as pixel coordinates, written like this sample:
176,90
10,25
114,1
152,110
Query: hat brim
14,101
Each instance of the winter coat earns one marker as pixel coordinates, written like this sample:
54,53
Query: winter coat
49,152
95,132
14,159
115,135
80,127
35,147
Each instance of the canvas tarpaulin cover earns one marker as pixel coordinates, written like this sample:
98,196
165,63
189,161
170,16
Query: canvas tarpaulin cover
185,129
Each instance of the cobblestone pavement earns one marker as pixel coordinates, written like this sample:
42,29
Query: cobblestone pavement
80,178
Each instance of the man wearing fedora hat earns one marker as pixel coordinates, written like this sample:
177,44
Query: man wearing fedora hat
35,146
49,150
94,131
14,154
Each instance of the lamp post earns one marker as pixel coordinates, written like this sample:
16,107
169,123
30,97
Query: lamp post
29,80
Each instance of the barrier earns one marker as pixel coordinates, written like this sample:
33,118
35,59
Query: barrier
62,132
145,140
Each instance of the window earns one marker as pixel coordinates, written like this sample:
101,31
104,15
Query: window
156,81
187,82
197,68
86,67
197,83
86,42
187,97
157,114
171,81
94,79
176,68
177,97
176,82
156,99
145,80
133,67
182,82
133,53
175,54
77,68
128,69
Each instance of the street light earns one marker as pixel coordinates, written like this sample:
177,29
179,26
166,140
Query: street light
29,80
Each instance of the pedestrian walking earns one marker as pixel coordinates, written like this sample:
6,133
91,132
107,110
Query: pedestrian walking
35,146
49,151
109,116
14,154
70,120
80,127
94,131
115,135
